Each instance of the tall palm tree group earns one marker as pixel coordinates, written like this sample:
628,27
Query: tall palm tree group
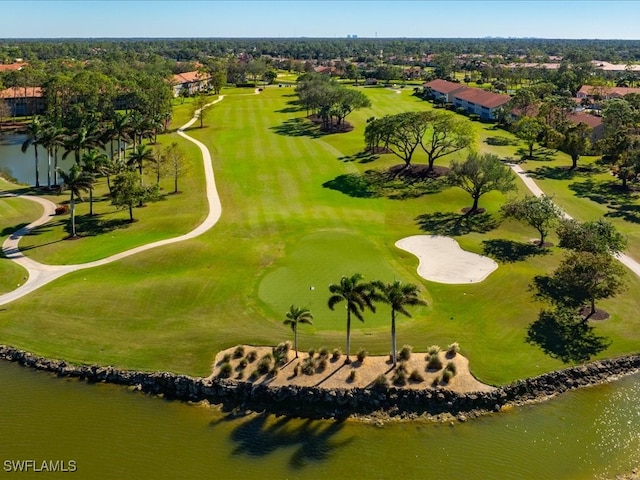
88,143
360,296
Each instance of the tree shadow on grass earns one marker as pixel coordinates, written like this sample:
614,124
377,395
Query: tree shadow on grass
508,251
454,224
604,192
564,335
294,107
384,184
299,127
11,230
540,154
360,157
629,213
313,440
92,226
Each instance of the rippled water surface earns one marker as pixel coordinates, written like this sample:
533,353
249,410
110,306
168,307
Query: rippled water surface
111,432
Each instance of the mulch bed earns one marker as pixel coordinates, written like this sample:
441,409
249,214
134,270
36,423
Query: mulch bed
467,211
344,127
418,171
599,315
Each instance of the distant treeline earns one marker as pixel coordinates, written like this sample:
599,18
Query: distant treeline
362,49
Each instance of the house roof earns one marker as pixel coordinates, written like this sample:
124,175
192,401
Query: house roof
444,86
590,90
19,92
188,77
581,117
11,66
482,97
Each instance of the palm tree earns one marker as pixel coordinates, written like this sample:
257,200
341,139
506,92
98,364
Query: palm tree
121,128
77,181
34,136
358,297
94,163
398,296
294,316
84,138
141,154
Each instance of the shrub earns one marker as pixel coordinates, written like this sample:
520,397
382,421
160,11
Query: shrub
296,370
238,352
362,354
324,352
416,376
451,367
500,141
254,375
352,376
225,370
322,365
436,381
264,365
274,371
226,358
312,352
308,366
62,209
242,364
400,375
280,353
434,362
453,349
446,376
252,356
240,375
405,353
381,382
337,353
433,350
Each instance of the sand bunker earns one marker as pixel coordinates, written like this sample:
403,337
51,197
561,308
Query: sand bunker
442,260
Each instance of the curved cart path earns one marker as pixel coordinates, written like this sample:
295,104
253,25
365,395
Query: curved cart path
625,259
40,274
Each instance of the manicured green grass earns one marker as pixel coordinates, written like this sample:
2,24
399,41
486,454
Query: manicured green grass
14,213
285,227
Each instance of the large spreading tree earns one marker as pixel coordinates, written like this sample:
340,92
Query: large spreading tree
480,174
538,212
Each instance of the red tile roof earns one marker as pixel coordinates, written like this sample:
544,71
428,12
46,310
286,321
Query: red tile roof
19,92
189,77
581,117
11,67
590,90
443,86
482,97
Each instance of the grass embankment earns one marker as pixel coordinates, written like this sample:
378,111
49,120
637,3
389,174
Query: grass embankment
295,217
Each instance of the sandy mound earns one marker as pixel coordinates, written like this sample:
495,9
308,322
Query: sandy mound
335,374
442,260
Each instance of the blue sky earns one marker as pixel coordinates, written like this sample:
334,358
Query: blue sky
297,18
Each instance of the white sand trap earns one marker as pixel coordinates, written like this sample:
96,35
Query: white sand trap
442,260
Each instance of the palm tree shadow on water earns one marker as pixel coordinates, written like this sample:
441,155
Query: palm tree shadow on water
313,440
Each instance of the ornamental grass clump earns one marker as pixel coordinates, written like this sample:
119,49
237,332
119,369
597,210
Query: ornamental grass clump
264,365
242,364
238,352
308,366
399,378
336,354
226,358
416,377
380,382
352,376
281,353
434,362
453,349
433,350
322,365
405,353
323,352
312,352
446,376
225,370
451,367
361,355
252,356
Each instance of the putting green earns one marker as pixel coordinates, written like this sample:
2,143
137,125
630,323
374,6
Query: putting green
303,277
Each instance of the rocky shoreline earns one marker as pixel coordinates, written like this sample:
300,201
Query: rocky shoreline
315,402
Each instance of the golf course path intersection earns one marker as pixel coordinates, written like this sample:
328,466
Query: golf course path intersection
40,274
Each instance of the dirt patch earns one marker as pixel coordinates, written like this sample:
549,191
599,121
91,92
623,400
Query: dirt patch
334,373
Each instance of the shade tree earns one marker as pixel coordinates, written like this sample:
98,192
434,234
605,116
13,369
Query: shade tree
480,174
537,212
599,236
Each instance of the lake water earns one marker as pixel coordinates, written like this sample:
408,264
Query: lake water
112,432
21,166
